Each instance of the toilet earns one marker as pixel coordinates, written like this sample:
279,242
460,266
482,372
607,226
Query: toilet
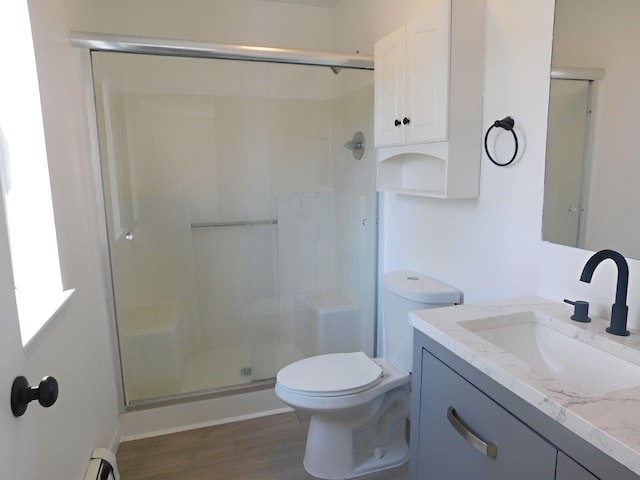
358,405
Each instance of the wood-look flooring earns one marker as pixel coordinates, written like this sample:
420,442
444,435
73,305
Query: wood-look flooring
263,448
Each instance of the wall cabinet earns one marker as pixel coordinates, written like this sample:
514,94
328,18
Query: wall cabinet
428,102
411,78
465,425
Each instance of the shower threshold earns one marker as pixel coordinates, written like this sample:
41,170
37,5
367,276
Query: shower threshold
179,398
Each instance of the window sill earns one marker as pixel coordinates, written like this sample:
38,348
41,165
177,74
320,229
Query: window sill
52,311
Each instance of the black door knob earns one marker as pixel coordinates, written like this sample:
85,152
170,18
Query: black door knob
406,121
397,122
21,394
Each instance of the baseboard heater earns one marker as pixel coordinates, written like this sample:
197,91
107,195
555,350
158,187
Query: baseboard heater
102,466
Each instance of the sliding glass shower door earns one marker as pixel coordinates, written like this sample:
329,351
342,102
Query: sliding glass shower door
229,194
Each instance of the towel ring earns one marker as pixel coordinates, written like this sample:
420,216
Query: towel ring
507,123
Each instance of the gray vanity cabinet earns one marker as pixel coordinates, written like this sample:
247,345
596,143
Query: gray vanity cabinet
461,430
464,425
567,469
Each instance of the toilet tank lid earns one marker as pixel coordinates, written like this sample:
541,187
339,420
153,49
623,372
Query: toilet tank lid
420,288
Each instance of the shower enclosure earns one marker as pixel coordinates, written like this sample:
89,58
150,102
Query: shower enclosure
233,209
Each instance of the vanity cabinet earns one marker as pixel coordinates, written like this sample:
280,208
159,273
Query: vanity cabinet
567,469
465,434
528,444
428,102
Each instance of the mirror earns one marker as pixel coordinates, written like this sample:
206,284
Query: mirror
592,179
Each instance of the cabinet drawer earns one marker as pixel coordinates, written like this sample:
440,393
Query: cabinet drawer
456,419
567,469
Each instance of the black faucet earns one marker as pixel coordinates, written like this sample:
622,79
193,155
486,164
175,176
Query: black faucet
619,310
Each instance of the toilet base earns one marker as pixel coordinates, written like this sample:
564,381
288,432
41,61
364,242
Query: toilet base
359,440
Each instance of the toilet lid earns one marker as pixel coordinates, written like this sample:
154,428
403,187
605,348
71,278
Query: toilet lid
330,375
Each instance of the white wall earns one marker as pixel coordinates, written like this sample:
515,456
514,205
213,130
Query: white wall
242,22
359,23
78,349
491,247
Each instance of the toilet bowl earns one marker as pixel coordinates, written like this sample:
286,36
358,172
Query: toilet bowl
358,414
358,405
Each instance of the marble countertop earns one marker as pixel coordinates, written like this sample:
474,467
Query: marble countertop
609,421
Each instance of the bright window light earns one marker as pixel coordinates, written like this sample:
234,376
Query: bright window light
25,175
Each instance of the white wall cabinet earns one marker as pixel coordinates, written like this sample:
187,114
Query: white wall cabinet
411,75
390,79
428,102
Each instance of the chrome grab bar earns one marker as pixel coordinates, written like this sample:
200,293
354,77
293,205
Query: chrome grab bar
487,448
233,224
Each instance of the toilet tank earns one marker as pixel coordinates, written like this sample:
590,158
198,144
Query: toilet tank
403,292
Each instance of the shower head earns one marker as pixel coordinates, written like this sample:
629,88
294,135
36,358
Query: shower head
336,70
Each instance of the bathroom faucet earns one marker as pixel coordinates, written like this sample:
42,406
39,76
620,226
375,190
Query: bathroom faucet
619,309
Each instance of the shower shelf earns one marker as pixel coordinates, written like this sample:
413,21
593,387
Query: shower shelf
233,224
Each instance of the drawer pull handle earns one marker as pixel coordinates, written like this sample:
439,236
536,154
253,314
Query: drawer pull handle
487,448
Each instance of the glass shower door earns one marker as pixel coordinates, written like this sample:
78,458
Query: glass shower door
191,230
229,199
326,212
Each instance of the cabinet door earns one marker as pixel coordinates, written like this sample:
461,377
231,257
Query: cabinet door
567,469
390,79
428,46
447,451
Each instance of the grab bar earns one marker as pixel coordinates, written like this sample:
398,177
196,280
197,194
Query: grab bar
234,224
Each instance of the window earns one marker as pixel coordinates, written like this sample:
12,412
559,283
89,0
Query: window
25,175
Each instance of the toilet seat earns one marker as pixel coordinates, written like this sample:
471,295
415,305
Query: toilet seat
331,375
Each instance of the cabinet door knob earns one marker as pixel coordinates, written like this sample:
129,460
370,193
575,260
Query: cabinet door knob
397,122
406,121
21,394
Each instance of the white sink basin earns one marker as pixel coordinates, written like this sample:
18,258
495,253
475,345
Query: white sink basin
580,360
